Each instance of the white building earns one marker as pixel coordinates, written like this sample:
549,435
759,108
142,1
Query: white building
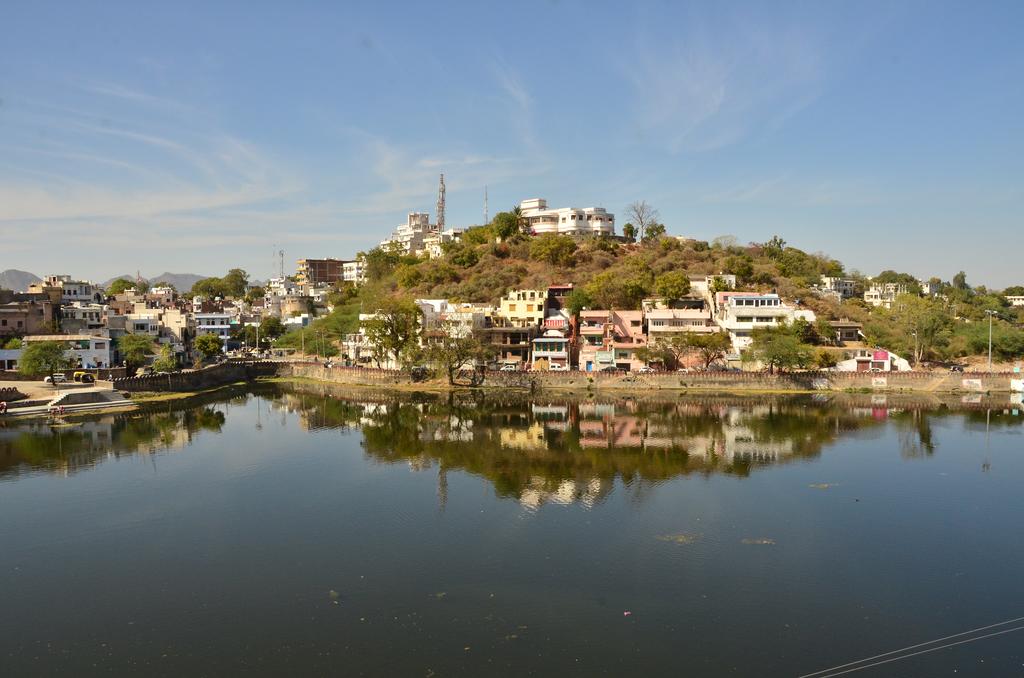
844,288
433,244
1015,300
409,236
884,294
71,290
218,324
82,315
354,272
740,313
566,220
85,350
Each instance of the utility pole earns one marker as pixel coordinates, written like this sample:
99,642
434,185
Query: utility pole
990,313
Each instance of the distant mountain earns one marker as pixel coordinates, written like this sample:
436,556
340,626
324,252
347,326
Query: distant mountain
182,282
13,279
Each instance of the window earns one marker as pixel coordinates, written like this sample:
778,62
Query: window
3,322
511,307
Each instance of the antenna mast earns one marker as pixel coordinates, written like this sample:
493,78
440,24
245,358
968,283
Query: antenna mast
440,205
280,256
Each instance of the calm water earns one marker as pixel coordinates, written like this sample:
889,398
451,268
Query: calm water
281,532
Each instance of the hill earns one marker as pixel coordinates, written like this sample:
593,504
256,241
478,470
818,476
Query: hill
947,324
13,279
181,281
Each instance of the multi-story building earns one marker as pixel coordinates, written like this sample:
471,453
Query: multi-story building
79,317
1015,300
85,350
843,288
218,324
22,314
551,352
409,237
433,244
740,313
354,272
566,220
523,308
611,339
665,323
70,290
884,294
319,271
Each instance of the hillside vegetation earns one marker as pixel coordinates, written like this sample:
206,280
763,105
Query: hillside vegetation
611,274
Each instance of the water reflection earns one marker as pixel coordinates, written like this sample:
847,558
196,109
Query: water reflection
536,450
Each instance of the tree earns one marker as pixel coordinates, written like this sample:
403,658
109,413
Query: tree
629,232
773,248
654,232
557,250
134,349
960,281
210,288
10,344
825,359
826,333
456,348
119,286
166,362
43,358
254,293
672,286
236,282
642,215
577,300
924,321
208,345
778,348
392,331
1015,291
711,347
271,327
506,224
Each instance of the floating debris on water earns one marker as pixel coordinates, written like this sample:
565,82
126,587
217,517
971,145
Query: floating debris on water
333,595
822,486
762,541
440,594
678,538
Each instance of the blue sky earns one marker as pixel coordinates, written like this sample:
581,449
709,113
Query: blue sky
194,137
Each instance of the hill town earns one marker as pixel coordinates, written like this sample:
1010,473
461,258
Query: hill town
537,288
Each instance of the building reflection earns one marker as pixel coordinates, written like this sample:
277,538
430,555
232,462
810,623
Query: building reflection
536,450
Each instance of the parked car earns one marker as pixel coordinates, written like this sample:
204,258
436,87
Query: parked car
556,367
646,369
609,368
509,367
56,379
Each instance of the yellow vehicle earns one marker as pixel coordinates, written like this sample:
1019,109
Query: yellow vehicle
84,377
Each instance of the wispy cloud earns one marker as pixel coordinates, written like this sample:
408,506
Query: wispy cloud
702,90
521,114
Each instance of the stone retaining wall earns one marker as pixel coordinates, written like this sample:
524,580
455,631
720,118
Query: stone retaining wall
198,380
105,373
929,382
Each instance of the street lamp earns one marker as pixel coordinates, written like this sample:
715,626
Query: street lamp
989,313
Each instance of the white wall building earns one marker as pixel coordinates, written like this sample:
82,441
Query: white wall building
354,272
218,324
86,350
410,235
740,313
566,220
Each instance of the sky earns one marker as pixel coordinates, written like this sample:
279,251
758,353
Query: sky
193,137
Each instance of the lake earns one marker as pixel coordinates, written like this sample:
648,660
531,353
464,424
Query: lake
307,530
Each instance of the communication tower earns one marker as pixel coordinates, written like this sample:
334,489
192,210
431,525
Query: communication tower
440,205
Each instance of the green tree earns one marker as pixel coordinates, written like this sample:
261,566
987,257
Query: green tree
629,232
557,250
208,345
672,285
120,285
135,349
711,347
778,348
236,282
455,349
960,281
774,248
210,288
654,232
824,330
10,344
923,322
577,300
824,359
506,224
393,330
166,362
272,327
254,293
43,358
